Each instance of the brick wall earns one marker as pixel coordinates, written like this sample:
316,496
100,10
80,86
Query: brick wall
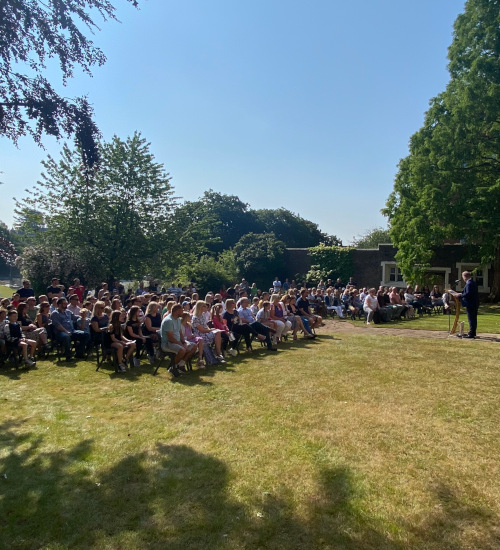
368,270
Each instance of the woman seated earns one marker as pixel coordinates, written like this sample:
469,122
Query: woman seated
264,317
220,323
190,337
98,323
133,331
385,312
357,302
150,328
277,314
411,300
371,305
303,322
14,336
30,330
43,317
200,328
294,320
332,303
116,340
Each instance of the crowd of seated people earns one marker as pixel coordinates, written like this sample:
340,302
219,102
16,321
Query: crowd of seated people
139,322
148,319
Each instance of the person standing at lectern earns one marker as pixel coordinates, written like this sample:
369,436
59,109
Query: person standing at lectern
470,299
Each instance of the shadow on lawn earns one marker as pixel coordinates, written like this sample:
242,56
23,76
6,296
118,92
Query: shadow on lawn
174,497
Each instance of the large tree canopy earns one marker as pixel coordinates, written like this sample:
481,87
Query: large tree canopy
294,231
31,33
448,187
225,218
119,218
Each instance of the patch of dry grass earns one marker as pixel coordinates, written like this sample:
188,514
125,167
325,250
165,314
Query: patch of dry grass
351,441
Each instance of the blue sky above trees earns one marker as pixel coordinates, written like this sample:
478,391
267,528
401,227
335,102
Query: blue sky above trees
305,106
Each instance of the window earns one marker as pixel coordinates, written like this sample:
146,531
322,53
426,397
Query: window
478,277
391,275
395,275
479,274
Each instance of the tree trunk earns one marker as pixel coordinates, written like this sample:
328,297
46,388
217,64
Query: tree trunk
495,285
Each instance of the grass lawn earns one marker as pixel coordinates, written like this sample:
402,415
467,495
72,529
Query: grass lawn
6,291
347,442
488,320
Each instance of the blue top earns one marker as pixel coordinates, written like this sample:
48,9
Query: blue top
65,319
470,294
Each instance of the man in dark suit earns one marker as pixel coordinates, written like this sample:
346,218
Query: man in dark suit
470,299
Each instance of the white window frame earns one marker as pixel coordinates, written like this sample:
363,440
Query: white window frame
470,266
386,272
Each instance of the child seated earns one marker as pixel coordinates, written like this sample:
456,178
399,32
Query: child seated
13,335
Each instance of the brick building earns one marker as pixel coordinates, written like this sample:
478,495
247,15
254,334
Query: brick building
377,266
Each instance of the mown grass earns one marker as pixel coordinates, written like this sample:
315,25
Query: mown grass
6,291
351,441
488,321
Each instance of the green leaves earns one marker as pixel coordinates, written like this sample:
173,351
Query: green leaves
448,187
119,215
32,32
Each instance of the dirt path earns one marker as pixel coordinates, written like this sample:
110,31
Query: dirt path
347,326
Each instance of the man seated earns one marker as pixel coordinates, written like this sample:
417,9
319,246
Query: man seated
32,309
74,304
320,307
246,317
304,309
172,339
63,322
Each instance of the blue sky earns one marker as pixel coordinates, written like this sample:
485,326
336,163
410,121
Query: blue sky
305,105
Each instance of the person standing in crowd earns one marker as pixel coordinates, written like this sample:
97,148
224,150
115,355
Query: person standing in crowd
276,285
78,289
54,290
470,299
26,291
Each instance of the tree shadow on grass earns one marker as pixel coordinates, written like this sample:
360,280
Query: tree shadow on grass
459,522
174,497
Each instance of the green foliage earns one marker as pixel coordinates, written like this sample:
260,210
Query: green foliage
259,257
119,217
8,253
372,238
294,231
223,219
330,262
33,32
43,262
448,187
210,273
